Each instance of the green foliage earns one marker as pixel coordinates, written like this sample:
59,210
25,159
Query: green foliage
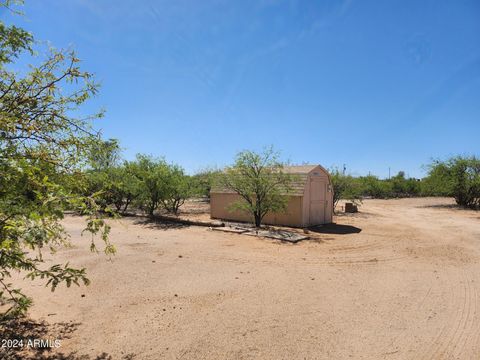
344,187
203,181
376,188
43,148
177,188
403,187
356,188
458,177
159,184
104,155
123,188
261,183
113,187
13,40
150,174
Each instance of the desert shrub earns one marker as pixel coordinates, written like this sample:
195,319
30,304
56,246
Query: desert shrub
124,188
203,181
458,177
345,187
177,188
113,188
403,187
374,187
158,183
150,174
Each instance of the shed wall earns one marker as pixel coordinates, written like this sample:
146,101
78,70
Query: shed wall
318,178
219,203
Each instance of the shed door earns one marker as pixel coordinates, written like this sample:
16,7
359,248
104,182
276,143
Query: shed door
318,190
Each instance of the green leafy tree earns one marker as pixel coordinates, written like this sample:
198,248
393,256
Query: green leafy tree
124,188
204,180
113,185
114,188
177,188
104,155
261,183
43,147
403,187
159,184
458,177
344,187
376,188
151,174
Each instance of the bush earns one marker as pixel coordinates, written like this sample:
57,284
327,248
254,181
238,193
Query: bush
203,181
458,177
159,184
402,187
177,188
372,186
344,187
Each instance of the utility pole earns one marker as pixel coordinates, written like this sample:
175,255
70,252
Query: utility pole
389,173
344,168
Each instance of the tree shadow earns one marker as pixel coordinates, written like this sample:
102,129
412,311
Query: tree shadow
26,332
334,228
159,223
448,207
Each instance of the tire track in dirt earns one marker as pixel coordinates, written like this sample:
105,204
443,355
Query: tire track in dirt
372,258
458,328
397,344
466,326
474,323
434,345
453,338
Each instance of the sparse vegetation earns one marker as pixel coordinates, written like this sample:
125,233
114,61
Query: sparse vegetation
458,177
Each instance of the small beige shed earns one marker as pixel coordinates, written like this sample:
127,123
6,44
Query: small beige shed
310,201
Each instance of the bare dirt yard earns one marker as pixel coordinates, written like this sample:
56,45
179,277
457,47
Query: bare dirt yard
398,280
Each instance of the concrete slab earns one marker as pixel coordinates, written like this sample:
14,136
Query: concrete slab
229,229
278,235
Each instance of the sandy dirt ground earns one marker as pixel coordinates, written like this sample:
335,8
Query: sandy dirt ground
398,280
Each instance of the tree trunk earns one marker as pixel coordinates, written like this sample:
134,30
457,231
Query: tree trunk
258,220
127,202
151,209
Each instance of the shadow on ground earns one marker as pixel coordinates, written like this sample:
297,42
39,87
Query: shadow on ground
25,332
157,223
447,206
333,228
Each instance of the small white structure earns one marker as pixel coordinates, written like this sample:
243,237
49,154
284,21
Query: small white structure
310,201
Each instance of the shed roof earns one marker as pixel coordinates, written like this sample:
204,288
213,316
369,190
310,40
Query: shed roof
299,169
298,184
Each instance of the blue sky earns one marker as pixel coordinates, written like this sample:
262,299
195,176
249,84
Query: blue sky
369,84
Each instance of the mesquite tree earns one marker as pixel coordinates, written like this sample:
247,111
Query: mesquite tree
43,147
260,182
459,177
159,184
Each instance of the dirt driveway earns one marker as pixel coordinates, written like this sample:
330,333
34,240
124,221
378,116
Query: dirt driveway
399,280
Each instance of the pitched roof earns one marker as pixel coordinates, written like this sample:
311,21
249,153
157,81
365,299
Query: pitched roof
299,169
298,184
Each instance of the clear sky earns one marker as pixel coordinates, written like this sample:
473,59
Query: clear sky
369,84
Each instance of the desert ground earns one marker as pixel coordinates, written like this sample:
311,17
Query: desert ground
398,280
